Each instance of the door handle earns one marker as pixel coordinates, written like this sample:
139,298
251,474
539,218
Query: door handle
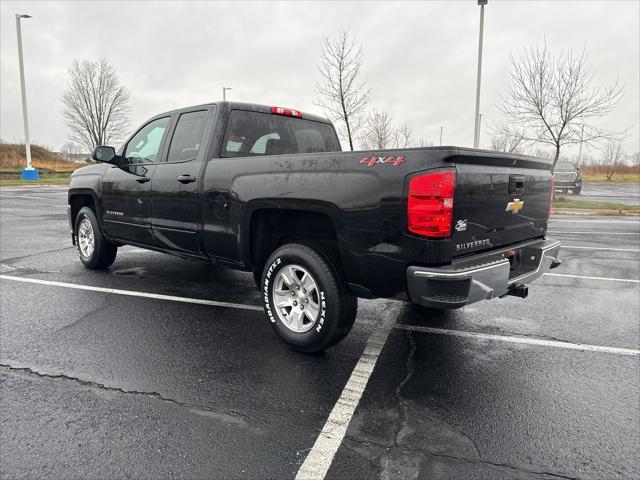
142,179
186,179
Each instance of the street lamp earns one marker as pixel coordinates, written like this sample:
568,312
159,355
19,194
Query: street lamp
224,92
476,131
28,173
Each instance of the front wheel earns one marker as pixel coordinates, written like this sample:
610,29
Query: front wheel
306,297
95,251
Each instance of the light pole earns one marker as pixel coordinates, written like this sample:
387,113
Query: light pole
440,135
581,141
28,173
476,132
224,93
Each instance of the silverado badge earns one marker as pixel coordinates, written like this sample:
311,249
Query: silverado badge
515,206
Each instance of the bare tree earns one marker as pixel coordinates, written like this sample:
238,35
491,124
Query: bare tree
508,138
96,105
423,143
342,95
71,148
634,159
612,157
553,99
402,137
378,133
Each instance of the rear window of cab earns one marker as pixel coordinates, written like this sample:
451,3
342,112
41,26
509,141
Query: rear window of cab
254,133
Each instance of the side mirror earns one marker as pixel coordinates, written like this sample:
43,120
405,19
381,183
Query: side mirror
103,154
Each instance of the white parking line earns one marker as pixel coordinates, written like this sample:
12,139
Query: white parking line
576,247
627,222
592,278
26,196
592,232
131,293
319,460
522,340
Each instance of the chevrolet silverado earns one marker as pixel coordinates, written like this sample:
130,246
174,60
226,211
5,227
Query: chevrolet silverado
268,190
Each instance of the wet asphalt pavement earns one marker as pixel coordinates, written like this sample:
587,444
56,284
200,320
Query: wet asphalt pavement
103,385
627,193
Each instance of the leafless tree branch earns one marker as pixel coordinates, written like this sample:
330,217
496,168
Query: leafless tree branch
553,101
508,138
613,156
342,95
96,105
378,133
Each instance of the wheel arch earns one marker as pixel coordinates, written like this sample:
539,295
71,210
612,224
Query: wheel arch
269,228
79,198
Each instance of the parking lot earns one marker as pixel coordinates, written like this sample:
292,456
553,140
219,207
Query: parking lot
167,368
627,193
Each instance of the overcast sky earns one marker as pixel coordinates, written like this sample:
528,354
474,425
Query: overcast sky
419,57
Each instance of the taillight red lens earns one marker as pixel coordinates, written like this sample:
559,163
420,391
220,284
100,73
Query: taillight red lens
430,206
551,195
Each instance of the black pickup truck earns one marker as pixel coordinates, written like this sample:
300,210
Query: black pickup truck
267,190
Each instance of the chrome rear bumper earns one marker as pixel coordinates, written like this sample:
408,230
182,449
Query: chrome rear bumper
455,286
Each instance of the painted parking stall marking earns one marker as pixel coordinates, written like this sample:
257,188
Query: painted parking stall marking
603,222
592,232
521,340
584,277
327,444
131,293
577,247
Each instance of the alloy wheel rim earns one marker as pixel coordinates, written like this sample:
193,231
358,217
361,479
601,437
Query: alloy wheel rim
296,298
86,239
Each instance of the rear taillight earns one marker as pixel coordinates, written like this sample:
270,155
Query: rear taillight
551,195
430,205
288,112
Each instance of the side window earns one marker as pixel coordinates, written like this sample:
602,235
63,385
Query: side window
251,133
187,137
145,145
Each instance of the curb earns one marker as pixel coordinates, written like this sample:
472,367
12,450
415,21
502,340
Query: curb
585,212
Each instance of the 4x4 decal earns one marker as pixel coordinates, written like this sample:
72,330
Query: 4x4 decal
372,161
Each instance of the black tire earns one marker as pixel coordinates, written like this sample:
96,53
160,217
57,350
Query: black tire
338,305
104,252
577,190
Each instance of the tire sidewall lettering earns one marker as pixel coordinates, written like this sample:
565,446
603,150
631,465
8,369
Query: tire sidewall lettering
323,311
265,288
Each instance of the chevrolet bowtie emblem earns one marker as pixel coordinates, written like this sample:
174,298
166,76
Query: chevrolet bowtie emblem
515,206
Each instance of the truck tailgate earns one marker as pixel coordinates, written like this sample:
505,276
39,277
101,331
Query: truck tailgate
499,200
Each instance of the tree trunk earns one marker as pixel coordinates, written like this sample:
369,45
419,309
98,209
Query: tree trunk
346,121
555,159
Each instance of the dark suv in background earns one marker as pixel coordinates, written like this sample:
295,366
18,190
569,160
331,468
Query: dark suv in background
567,177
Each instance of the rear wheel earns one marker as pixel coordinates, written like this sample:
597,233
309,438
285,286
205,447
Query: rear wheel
95,251
306,298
